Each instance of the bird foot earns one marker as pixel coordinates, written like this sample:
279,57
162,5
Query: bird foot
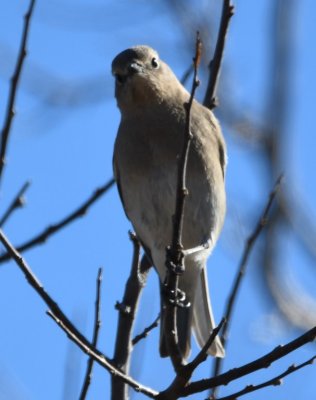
174,260
176,297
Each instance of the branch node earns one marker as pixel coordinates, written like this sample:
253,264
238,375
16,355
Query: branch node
122,308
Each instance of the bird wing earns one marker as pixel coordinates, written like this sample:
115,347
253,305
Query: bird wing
117,179
120,192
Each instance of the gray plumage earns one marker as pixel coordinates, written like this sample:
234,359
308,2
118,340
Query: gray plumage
147,148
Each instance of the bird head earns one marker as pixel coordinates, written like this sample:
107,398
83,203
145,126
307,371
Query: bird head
141,78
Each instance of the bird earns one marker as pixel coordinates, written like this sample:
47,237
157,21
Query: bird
147,148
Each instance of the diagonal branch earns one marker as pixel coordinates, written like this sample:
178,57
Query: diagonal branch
277,380
202,355
13,88
97,325
146,331
62,320
259,363
210,100
242,270
100,358
50,230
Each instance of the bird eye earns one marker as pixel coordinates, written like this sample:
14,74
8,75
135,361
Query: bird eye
154,62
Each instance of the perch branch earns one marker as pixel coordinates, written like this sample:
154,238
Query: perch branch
174,253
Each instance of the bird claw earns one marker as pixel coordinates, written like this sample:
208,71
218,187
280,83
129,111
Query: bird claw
176,298
178,267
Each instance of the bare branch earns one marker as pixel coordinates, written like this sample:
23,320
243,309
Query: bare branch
202,355
215,65
14,86
181,388
174,254
185,373
146,331
100,358
187,74
50,230
62,320
127,313
271,382
97,325
242,269
260,363
16,203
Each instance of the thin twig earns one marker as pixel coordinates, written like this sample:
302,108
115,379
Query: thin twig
16,203
242,269
146,331
210,100
271,382
259,363
187,74
174,256
100,358
202,355
127,313
13,87
67,326
50,230
97,325
181,388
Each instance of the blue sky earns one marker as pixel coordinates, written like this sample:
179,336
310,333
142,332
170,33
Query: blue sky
62,140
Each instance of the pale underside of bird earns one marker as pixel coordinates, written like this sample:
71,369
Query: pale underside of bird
146,153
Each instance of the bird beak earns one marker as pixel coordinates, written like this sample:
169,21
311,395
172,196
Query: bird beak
135,68
132,69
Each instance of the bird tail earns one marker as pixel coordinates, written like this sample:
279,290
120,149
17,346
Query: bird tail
198,317
203,321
